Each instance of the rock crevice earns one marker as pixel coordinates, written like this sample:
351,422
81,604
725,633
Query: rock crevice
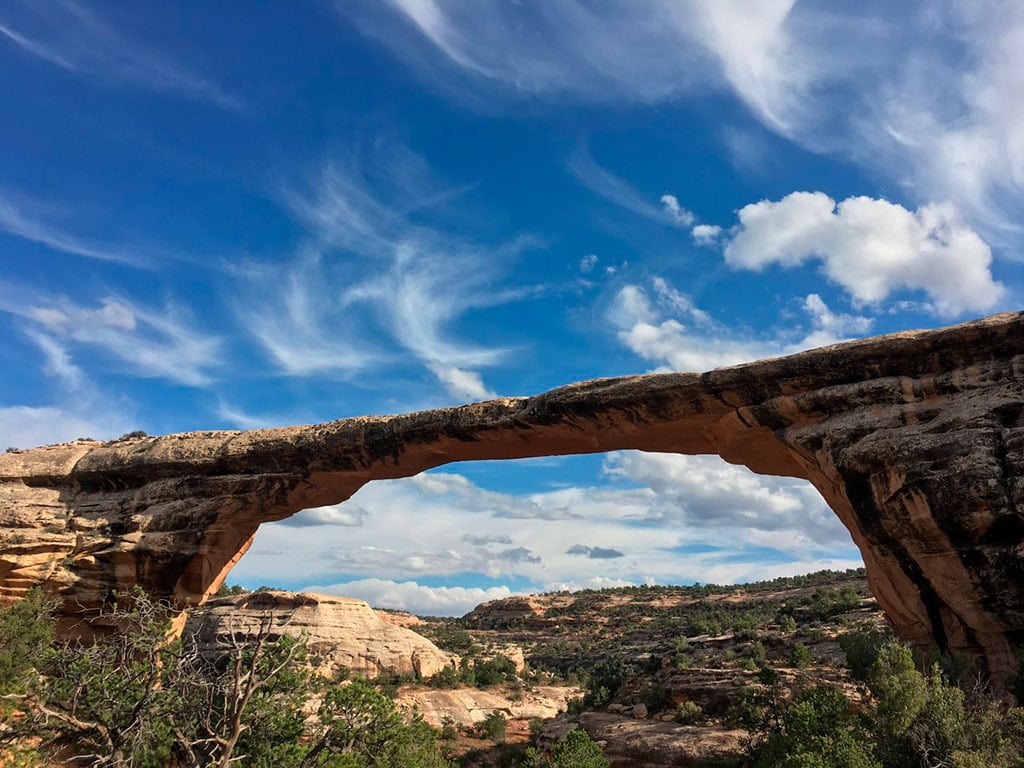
915,440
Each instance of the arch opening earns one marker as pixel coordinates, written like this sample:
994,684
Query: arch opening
443,541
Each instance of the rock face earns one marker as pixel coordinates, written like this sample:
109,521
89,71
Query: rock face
915,440
630,743
344,635
469,706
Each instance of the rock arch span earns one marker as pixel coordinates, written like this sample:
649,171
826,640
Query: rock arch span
915,440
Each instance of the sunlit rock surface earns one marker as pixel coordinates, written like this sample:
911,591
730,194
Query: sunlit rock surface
913,439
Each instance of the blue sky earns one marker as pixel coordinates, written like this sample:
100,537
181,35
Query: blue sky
234,215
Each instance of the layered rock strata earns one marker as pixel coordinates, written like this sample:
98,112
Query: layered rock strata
344,636
913,439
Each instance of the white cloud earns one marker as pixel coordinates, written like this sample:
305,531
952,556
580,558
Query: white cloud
690,340
927,95
871,247
413,597
27,427
374,285
345,515
830,327
58,361
16,219
704,491
706,234
679,215
73,37
587,263
144,342
461,384
647,517
595,52
615,190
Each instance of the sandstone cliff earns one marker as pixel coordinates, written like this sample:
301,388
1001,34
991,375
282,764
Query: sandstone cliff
915,440
345,636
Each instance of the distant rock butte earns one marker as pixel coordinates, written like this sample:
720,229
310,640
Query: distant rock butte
914,440
345,636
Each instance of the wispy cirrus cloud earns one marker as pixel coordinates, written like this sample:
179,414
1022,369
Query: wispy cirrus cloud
140,341
25,219
926,95
69,35
25,426
375,283
599,180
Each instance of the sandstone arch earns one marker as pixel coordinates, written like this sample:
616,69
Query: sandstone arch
914,440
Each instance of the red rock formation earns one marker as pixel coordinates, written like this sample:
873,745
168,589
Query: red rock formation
914,439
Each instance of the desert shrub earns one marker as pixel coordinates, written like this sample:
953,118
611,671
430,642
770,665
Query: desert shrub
799,656
861,649
756,653
136,700
654,696
689,713
817,731
494,726
26,632
605,679
494,671
912,721
579,751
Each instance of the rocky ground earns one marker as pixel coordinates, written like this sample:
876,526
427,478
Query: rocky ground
681,660
658,676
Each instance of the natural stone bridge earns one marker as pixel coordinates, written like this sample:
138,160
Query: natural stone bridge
914,440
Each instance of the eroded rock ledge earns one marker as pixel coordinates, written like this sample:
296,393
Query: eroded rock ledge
914,440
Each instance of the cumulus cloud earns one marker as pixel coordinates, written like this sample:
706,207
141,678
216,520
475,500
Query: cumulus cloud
647,517
679,215
518,555
414,597
668,328
706,234
594,553
345,515
461,384
871,247
704,491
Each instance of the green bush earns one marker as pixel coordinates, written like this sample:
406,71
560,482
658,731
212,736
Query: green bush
912,721
579,751
26,632
799,656
493,726
818,731
861,649
494,671
135,700
689,713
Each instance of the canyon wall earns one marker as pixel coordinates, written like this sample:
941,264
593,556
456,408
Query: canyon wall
913,439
